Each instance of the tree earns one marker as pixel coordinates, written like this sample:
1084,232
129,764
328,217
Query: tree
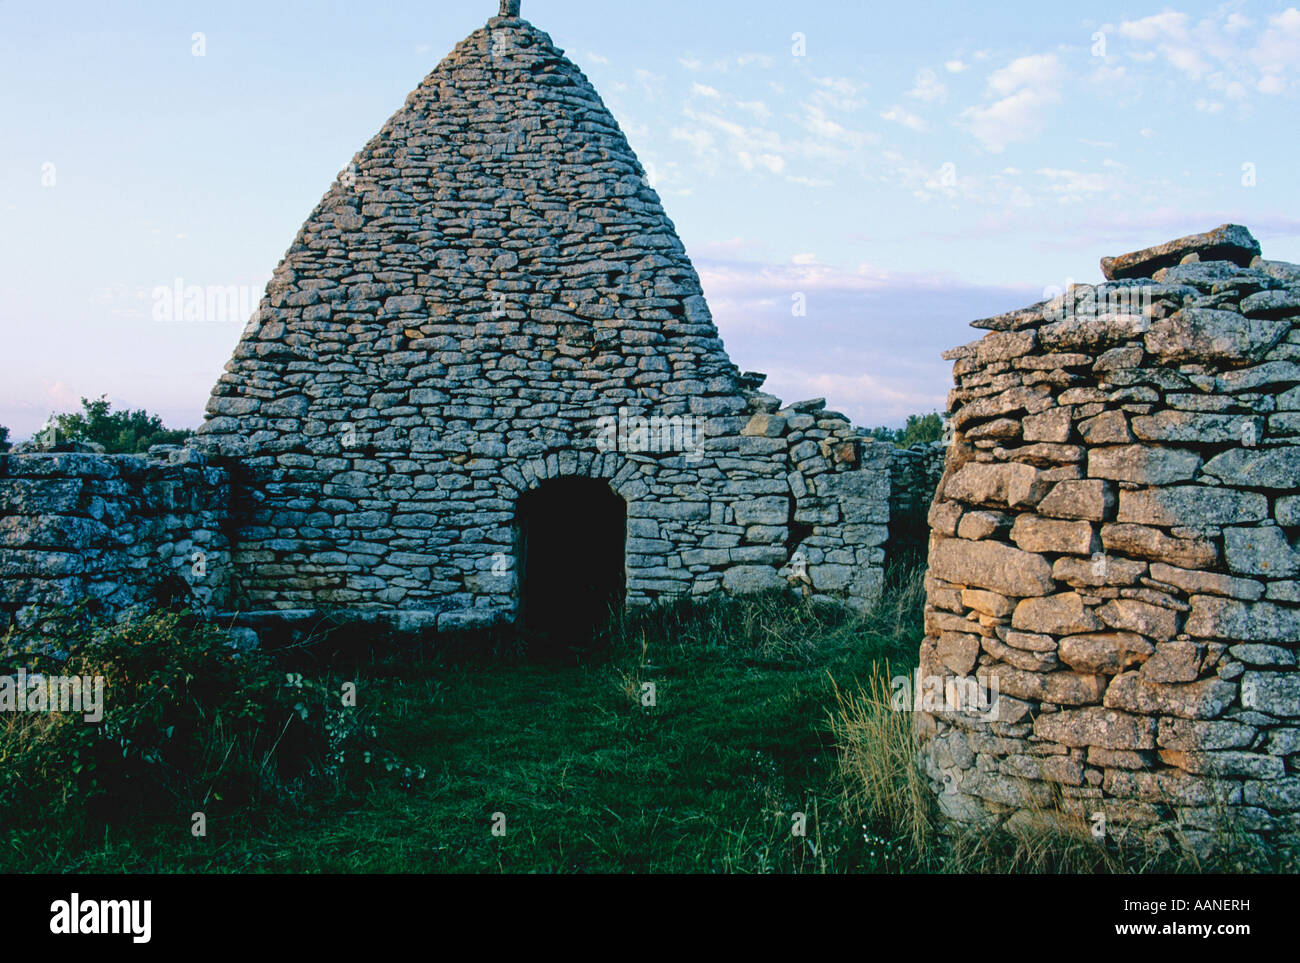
120,432
920,429
4,438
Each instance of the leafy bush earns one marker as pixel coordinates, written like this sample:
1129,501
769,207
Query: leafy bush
920,429
188,723
120,432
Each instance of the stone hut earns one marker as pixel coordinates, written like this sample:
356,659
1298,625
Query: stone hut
1113,607
484,381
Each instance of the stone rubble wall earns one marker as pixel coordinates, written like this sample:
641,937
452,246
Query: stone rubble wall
124,530
771,486
1114,552
833,515
789,484
112,531
914,477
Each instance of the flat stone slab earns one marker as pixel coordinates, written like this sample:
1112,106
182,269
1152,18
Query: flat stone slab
1227,242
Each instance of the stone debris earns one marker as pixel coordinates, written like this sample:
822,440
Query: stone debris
1115,544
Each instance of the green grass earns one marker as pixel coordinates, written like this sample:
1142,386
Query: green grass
764,709
589,779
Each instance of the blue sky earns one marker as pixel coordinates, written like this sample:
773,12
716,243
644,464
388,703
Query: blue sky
905,167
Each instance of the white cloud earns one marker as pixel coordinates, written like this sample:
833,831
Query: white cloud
1236,22
652,84
1277,49
1158,27
954,66
772,163
1039,70
1271,84
928,87
701,141
704,90
809,181
832,132
839,93
1073,184
1027,86
1227,51
758,146
729,127
901,115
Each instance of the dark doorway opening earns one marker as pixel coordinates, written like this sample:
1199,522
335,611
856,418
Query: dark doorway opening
572,535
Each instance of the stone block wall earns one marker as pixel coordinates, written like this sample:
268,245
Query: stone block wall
114,531
773,496
914,475
837,513
1114,552
776,496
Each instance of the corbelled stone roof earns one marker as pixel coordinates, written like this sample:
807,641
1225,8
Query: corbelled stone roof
487,289
501,207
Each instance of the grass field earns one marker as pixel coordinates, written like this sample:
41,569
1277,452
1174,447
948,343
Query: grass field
762,710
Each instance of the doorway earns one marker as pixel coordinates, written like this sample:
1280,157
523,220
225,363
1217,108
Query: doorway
572,570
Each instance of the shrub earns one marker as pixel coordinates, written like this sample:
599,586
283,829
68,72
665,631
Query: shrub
188,722
120,432
920,429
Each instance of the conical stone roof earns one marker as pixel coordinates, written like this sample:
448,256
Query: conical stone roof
490,299
497,235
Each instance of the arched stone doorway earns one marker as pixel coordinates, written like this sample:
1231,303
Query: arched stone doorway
572,567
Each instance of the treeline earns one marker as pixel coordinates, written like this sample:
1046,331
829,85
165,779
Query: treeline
919,429
119,432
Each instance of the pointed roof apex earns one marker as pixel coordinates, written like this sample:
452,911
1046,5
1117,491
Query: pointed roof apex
509,8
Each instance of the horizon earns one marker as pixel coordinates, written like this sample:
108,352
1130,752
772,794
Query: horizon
905,171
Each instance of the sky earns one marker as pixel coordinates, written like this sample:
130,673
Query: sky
896,169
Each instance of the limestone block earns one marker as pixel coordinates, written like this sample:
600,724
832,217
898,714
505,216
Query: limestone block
1010,485
990,565
1105,653
1143,464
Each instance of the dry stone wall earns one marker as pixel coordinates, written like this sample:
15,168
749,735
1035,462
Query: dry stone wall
914,476
111,531
1114,552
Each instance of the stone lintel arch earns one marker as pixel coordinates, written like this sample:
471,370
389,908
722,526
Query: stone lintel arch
624,477
568,575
